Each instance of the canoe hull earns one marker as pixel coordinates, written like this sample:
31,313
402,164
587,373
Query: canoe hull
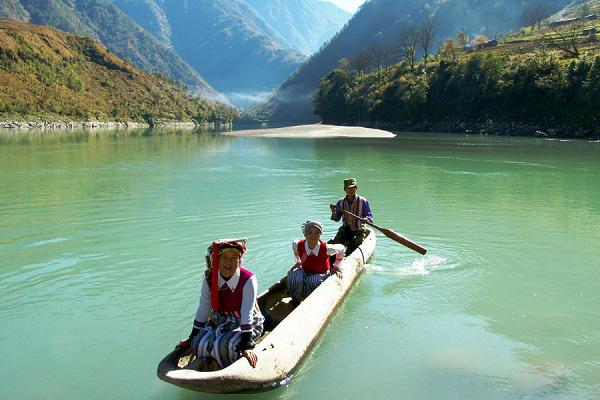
282,350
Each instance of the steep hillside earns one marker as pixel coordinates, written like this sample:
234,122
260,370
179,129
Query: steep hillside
48,73
528,84
379,21
305,24
226,41
112,28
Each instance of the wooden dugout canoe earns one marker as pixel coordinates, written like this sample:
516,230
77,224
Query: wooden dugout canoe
289,335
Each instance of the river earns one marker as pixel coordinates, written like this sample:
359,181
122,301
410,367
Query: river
103,235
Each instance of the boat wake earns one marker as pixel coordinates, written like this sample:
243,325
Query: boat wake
420,266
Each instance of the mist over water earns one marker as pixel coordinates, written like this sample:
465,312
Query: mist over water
103,234
243,99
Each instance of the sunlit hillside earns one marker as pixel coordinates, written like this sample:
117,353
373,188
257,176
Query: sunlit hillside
378,22
47,73
542,80
113,29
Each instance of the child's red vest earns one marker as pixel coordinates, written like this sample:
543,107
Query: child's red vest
314,264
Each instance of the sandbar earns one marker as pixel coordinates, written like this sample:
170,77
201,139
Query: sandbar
315,131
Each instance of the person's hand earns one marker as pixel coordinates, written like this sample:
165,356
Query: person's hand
333,209
338,272
251,357
184,344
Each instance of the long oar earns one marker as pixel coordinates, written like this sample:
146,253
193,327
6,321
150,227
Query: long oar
391,234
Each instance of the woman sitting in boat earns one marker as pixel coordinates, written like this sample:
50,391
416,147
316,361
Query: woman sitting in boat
228,321
311,262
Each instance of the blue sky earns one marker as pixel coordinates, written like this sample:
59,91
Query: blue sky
348,5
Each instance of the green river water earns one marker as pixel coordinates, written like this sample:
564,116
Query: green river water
103,234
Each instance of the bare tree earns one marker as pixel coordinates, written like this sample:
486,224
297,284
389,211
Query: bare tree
360,61
567,38
376,56
382,55
406,43
427,32
534,15
389,56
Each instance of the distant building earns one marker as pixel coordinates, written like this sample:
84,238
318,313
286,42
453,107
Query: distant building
588,31
563,22
489,43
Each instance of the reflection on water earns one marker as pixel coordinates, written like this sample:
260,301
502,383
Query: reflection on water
82,135
103,234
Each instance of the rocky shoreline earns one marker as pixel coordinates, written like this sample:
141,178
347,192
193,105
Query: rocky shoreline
44,123
492,128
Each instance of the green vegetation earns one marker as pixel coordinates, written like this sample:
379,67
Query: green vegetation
536,88
51,74
526,80
110,27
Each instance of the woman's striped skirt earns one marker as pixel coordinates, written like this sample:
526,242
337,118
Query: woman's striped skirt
301,283
220,339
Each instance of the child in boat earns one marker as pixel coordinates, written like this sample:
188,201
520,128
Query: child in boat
228,321
311,261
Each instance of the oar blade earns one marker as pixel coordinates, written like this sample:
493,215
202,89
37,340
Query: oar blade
404,241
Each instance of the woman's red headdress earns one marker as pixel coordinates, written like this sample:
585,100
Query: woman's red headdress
212,262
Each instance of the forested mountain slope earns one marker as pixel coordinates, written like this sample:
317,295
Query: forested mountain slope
52,75
378,22
226,41
112,28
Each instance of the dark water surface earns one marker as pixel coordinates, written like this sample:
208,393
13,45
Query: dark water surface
102,240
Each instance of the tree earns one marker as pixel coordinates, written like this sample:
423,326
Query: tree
534,15
480,39
388,55
330,100
406,42
566,38
376,56
449,49
344,64
361,61
382,55
426,34
462,38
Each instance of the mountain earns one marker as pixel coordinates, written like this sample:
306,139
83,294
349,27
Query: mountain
305,24
227,41
54,76
378,22
112,28
530,83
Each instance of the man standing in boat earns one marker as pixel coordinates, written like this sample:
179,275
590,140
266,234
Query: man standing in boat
353,231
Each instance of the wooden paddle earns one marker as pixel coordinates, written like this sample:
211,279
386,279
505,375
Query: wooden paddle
390,234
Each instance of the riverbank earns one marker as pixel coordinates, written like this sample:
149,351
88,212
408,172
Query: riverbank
48,123
492,128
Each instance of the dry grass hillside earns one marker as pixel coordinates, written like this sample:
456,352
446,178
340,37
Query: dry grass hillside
48,73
